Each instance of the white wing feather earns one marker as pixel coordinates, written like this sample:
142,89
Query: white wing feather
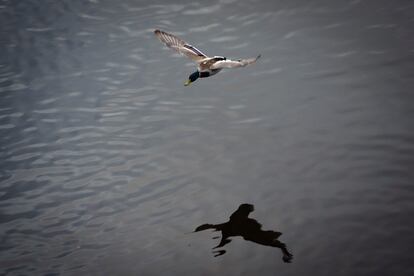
228,63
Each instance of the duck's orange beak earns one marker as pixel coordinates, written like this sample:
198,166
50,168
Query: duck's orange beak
187,83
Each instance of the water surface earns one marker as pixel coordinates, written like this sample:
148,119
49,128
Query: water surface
108,163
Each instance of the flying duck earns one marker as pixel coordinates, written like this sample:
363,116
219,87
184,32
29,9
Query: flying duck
206,66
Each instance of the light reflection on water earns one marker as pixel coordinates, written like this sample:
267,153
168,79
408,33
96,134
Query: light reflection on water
108,162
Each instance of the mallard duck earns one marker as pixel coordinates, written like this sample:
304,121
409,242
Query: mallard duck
206,66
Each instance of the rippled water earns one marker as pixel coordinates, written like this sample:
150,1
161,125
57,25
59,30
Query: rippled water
108,163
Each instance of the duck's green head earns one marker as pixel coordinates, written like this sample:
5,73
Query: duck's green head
192,78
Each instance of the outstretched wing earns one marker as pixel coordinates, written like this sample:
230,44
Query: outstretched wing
180,45
228,63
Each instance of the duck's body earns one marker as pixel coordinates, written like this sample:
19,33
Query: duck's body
206,66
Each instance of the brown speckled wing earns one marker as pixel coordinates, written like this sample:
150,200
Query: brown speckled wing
180,45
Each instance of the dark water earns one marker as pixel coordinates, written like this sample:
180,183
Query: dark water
108,163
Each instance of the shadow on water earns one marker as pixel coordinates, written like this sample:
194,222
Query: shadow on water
251,230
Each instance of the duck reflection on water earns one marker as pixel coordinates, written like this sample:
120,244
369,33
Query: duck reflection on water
251,230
